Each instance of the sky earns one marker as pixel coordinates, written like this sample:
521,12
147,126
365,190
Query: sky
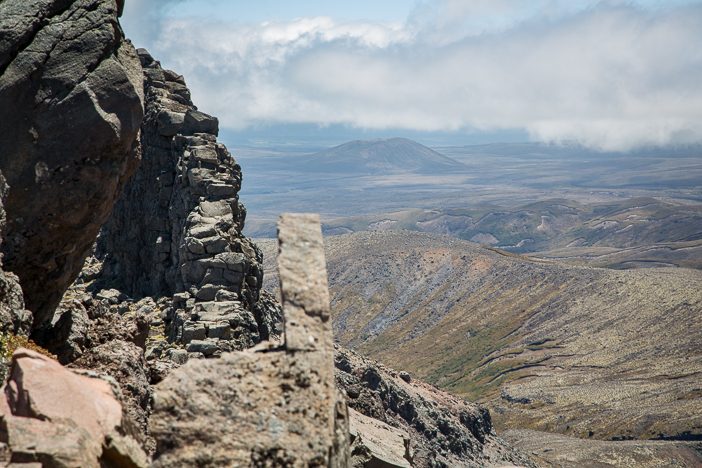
610,75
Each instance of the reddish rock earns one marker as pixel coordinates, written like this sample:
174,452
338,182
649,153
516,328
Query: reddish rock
56,417
41,388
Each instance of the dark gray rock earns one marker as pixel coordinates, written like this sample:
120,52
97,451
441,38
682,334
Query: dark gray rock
176,231
169,123
71,103
199,122
69,332
14,318
206,347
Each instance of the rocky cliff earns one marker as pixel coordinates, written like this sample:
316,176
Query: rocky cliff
441,429
156,332
13,316
66,73
176,231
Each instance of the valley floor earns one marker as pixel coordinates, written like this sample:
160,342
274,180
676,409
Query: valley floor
556,450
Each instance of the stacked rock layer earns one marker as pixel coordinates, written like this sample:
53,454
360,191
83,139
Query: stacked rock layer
176,231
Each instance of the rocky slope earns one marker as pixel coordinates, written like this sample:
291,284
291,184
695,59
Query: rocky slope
443,430
664,254
588,352
65,69
171,284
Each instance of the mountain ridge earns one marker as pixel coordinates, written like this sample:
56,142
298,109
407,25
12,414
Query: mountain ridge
383,155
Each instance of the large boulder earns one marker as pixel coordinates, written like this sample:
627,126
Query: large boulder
377,444
246,408
55,417
71,104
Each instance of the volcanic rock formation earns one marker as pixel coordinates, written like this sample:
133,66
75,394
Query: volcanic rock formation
272,406
443,430
176,231
13,316
170,282
65,70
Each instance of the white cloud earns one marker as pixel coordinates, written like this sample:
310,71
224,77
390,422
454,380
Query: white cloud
610,76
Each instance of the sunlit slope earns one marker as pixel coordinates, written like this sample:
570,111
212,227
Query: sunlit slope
589,352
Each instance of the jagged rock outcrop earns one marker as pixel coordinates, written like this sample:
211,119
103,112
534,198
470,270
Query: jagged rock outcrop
444,430
55,417
271,406
177,229
71,104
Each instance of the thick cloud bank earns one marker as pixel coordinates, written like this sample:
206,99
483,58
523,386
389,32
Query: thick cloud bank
607,75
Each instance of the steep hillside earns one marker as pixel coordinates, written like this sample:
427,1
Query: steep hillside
583,351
